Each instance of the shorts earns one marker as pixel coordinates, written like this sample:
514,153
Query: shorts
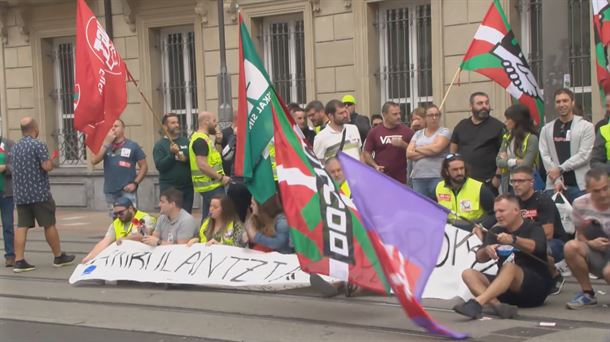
42,212
597,261
533,292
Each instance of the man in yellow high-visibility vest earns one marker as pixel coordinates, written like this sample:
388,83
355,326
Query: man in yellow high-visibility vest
600,156
206,162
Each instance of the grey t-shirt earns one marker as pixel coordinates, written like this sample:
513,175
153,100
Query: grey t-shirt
429,167
184,227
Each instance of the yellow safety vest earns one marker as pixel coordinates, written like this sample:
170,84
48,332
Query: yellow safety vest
467,203
119,226
272,158
506,137
201,181
605,133
227,239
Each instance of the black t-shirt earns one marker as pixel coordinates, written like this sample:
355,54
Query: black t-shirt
479,144
528,230
200,147
540,208
561,137
228,138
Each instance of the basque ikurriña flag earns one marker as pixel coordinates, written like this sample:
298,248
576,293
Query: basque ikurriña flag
100,93
407,242
329,236
495,53
257,97
601,21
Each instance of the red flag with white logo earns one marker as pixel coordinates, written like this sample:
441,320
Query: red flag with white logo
100,93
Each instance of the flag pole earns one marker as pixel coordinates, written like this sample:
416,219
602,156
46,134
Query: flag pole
130,77
457,73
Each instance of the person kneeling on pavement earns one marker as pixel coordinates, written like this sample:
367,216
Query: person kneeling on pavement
129,223
175,225
523,277
590,250
222,225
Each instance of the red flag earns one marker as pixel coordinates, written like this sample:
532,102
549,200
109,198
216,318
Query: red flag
100,93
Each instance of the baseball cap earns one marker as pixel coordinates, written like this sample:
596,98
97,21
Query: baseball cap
123,202
348,99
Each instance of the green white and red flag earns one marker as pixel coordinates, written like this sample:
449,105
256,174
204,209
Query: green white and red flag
601,21
495,53
254,120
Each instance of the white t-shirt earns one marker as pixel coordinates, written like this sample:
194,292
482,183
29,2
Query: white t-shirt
327,142
583,209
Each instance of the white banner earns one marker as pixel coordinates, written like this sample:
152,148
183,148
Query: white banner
213,266
455,256
231,267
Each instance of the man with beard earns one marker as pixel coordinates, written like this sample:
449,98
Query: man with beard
523,277
388,143
317,115
206,162
338,135
478,140
361,121
565,148
171,160
120,156
129,223
464,196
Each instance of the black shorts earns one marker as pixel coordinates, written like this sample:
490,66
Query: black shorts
533,292
42,212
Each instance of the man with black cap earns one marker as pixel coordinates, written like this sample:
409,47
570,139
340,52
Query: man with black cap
129,223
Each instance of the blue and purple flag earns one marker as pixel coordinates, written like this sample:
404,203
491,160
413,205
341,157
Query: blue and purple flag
406,230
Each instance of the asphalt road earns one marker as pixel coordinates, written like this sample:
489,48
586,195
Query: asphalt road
42,306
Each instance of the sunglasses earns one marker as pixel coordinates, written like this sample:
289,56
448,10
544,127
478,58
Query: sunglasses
118,213
452,156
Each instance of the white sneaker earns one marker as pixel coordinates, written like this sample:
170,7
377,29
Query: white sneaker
593,276
563,268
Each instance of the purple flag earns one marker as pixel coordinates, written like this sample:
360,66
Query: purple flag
410,222
406,230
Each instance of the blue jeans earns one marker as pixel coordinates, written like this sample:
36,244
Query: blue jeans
7,207
206,199
426,186
554,247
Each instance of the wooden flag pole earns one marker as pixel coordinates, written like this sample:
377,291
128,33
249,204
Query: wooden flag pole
457,72
130,77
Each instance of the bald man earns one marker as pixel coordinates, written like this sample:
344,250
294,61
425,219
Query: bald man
120,156
32,194
207,173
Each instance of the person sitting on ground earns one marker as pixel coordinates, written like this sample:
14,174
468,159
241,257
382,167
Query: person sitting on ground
175,225
590,251
222,225
469,200
539,207
267,228
523,277
129,223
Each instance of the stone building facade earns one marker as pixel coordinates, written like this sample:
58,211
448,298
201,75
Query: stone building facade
407,51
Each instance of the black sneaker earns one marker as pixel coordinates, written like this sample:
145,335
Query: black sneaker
505,311
471,309
23,266
557,285
63,260
325,288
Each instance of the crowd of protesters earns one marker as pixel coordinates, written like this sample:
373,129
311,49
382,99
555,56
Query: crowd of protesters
498,180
